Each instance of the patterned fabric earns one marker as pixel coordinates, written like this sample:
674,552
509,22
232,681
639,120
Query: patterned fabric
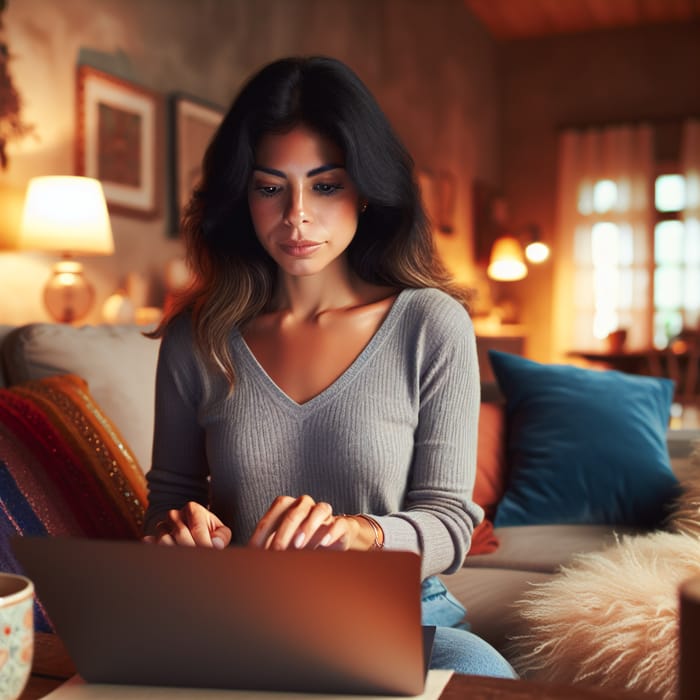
64,469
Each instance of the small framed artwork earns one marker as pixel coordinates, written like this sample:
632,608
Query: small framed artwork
439,193
116,140
487,206
428,191
192,126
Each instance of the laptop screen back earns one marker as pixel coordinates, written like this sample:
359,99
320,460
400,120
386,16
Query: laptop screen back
307,620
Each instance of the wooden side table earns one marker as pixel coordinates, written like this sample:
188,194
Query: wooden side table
483,688
52,666
689,671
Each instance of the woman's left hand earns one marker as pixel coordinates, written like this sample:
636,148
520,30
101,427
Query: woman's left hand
301,523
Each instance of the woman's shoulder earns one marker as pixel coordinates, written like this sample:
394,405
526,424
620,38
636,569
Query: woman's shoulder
436,321
433,305
179,342
178,329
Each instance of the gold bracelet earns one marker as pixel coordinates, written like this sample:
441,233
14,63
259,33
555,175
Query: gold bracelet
376,528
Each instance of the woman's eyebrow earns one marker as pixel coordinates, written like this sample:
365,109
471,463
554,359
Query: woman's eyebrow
324,168
311,173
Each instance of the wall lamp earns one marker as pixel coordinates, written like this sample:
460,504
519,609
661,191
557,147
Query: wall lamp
507,261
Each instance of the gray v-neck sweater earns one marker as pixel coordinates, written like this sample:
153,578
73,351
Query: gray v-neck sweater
394,436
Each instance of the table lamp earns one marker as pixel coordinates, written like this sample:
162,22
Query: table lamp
69,215
507,262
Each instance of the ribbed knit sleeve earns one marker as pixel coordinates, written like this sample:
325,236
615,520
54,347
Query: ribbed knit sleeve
179,470
438,501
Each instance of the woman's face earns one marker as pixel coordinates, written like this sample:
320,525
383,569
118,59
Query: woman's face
302,201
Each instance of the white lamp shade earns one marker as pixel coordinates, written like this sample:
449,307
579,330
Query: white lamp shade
67,214
507,262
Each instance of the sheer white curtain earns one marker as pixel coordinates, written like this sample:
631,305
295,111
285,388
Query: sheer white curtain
601,278
690,165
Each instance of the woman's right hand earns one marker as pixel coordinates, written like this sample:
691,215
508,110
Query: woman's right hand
192,526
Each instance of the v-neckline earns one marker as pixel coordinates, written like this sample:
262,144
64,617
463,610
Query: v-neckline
342,380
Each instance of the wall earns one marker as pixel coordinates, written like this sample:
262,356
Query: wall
588,79
433,68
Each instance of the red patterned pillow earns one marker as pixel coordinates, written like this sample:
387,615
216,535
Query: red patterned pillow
64,468
490,474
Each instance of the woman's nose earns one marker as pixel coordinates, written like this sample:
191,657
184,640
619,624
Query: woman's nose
297,210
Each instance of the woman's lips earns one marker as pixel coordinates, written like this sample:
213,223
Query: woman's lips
300,249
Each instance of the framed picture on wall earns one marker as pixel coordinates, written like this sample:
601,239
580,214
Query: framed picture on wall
439,192
116,140
487,208
192,125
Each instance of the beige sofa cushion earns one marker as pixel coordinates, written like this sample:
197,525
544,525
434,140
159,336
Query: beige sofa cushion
118,363
544,548
489,596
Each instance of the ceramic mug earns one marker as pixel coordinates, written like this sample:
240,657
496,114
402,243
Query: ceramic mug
16,634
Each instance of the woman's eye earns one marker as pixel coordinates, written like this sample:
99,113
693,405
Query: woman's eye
268,190
327,187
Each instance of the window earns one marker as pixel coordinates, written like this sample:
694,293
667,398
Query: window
616,280
676,261
629,213
611,275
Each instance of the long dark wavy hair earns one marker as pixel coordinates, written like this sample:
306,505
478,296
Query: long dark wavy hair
233,276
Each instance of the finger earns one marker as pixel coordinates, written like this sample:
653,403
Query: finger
192,525
198,521
166,540
336,535
182,535
294,526
177,528
314,526
221,537
268,523
161,528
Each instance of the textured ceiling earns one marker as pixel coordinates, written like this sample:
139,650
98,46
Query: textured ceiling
518,19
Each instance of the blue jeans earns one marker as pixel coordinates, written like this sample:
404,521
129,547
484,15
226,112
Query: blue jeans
454,646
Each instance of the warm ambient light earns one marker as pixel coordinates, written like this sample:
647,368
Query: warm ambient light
67,215
537,252
507,262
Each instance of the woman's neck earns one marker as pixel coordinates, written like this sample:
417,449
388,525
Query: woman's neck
308,297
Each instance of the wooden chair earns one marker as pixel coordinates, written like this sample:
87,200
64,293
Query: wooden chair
680,361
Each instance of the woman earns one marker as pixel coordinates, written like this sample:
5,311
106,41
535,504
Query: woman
317,386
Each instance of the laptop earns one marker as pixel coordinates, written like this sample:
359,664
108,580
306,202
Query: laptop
309,620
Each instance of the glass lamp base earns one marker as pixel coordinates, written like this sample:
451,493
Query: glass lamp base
68,296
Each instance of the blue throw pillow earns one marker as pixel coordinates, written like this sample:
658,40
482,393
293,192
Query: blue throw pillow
584,446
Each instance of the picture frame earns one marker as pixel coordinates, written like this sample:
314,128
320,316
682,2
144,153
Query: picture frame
439,193
117,140
488,224
193,122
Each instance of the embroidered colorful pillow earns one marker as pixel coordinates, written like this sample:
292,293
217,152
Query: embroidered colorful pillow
64,469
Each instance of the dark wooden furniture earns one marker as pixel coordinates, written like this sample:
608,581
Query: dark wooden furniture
52,666
689,671
681,363
632,362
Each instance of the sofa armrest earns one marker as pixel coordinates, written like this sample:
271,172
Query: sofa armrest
117,362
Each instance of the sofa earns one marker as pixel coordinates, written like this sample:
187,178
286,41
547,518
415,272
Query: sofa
102,417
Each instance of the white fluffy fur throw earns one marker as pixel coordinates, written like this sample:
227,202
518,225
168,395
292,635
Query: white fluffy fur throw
610,618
